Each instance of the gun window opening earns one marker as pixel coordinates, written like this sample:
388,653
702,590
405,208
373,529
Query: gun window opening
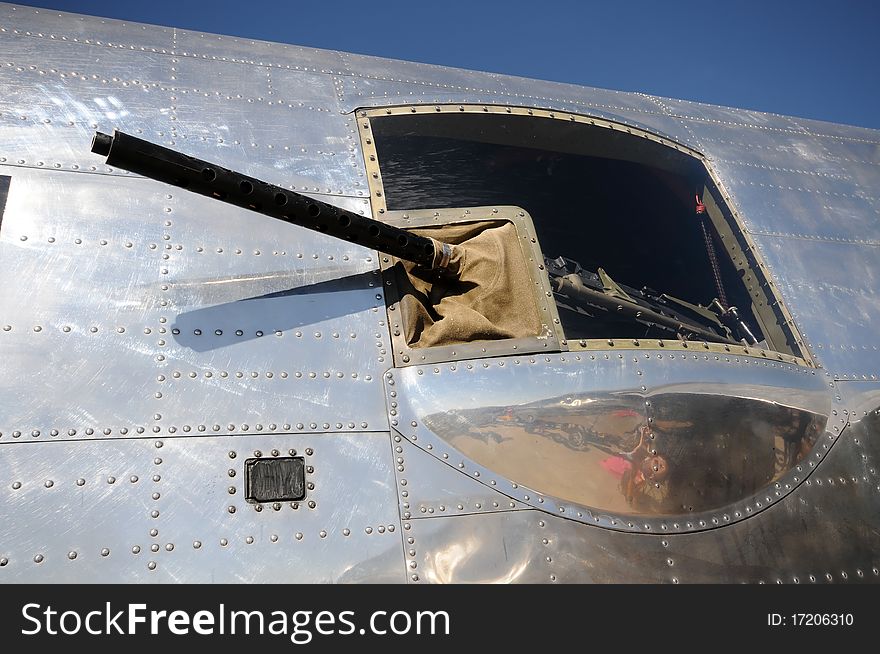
599,197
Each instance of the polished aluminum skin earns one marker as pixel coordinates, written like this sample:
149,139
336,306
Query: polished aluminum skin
153,340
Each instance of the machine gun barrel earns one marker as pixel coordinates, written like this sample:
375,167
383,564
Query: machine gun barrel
572,286
172,167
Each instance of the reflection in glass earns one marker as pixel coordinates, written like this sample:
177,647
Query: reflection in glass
677,453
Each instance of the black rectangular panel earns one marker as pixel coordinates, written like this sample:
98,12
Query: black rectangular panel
4,191
275,480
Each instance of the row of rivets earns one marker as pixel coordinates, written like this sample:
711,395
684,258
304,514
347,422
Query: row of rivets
407,535
300,426
240,374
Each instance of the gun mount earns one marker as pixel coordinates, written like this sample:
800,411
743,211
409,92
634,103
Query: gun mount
442,273
451,281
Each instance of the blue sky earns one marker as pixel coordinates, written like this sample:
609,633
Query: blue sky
813,59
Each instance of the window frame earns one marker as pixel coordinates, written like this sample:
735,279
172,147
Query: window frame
551,340
769,307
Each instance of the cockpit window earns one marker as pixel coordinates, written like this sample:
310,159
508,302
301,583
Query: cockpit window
634,236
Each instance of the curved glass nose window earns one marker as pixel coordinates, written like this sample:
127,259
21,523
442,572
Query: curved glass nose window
701,438
701,452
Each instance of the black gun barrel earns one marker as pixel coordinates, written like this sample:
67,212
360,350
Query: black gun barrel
172,167
572,286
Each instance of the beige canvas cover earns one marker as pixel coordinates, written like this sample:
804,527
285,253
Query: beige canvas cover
492,298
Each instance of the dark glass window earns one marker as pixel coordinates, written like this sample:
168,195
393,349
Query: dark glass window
599,198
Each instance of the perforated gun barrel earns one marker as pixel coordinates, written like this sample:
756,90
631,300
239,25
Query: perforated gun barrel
165,165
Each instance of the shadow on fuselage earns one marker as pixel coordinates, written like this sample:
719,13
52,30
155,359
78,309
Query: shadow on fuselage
247,317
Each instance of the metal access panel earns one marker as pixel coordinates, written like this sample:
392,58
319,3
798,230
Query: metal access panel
132,308
177,509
